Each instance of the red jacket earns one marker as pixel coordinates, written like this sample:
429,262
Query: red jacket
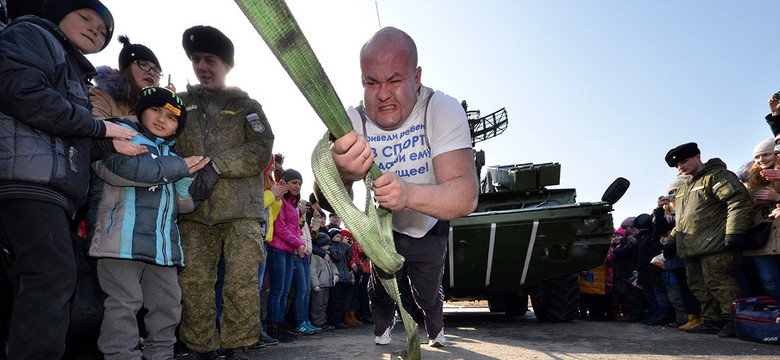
358,257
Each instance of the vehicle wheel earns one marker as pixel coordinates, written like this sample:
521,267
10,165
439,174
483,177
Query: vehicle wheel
556,300
516,305
497,304
511,305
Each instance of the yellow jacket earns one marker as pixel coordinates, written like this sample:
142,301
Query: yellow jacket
272,206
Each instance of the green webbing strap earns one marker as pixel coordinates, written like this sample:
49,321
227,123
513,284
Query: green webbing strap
274,22
373,229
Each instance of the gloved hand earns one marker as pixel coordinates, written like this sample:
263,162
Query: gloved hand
204,182
670,250
735,242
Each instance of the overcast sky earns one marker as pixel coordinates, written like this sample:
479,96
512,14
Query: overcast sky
606,88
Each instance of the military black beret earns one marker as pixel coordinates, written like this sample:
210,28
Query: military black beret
681,152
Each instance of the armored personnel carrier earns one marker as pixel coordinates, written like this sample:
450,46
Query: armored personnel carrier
525,239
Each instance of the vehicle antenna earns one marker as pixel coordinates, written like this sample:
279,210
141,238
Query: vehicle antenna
378,20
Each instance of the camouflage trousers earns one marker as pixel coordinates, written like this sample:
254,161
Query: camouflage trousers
240,320
711,280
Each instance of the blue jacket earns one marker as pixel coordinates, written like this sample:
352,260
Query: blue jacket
141,199
45,116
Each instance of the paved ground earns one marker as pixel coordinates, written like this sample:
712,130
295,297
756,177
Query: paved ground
475,334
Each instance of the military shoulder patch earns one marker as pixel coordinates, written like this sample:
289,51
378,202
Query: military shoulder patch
254,121
716,186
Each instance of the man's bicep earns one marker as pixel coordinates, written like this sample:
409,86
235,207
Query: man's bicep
455,164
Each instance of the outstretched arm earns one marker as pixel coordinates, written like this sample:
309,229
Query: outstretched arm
454,195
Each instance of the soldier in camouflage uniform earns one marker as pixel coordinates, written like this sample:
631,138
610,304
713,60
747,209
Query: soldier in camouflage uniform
712,213
230,128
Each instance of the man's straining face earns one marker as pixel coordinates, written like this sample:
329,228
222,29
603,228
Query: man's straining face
389,87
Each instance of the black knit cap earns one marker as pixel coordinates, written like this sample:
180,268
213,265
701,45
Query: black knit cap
132,52
55,10
333,232
322,239
291,174
680,153
164,98
202,38
644,221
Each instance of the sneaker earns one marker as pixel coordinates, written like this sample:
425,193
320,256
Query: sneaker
341,326
384,339
327,327
438,341
258,345
706,328
267,340
728,330
303,329
316,329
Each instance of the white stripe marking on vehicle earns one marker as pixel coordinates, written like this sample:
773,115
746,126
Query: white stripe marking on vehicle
529,252
490,253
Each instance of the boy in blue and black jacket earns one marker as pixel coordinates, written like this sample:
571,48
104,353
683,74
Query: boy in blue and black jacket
136,237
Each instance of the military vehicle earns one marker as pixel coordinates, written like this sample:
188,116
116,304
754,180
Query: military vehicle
525,239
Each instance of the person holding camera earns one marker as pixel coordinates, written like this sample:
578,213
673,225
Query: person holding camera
766,195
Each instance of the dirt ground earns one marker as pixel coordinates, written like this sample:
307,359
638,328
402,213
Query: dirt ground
473,333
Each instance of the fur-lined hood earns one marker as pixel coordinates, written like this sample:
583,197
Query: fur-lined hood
111,81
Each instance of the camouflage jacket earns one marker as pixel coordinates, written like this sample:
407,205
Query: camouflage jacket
708,206
231,129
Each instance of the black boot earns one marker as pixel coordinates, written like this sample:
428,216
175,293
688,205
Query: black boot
728,330
194,355
272,329
276,331
236,354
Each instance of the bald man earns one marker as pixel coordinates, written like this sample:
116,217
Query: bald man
420,139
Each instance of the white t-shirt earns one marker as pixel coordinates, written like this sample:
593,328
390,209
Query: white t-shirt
406,150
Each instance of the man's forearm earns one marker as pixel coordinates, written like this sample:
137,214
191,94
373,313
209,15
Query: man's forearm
450,200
